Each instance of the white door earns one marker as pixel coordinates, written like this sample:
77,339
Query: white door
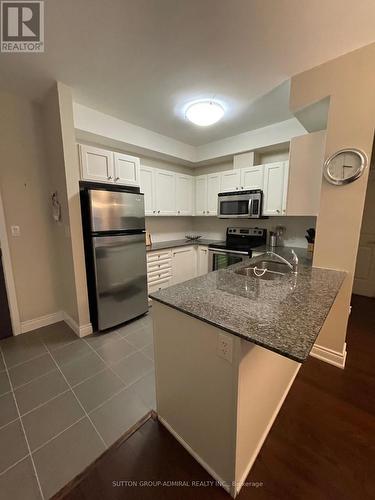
213,189
184,264
165,192
201,195
96,164
273,188
184,194
202,260
126,169
148,188
252,177
230,180
364,277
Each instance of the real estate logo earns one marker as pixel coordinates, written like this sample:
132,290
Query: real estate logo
22,26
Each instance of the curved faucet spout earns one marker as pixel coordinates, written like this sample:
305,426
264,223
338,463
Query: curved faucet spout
293,265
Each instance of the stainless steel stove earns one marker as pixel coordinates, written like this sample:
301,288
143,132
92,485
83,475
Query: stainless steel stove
239,245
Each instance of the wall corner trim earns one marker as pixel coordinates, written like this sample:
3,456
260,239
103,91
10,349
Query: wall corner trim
330,356
48,319
81,331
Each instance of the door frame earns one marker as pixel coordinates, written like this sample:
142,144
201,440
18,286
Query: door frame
8,274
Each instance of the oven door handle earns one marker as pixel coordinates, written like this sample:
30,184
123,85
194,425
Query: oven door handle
226,252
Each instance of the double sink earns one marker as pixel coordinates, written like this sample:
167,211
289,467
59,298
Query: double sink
267,269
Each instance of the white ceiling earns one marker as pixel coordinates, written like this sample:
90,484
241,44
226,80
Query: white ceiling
142,60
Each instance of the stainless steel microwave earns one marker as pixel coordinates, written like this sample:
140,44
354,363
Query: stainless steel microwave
240,204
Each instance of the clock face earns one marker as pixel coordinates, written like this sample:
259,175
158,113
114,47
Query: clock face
344,166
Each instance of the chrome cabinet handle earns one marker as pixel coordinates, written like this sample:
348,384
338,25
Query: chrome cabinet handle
158,211
109,177
154,212
208,211
204,211
117,178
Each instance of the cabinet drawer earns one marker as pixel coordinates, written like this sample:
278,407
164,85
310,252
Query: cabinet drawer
159,265
158,275
159,285
156,256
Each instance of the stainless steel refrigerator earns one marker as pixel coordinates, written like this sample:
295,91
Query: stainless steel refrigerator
115,247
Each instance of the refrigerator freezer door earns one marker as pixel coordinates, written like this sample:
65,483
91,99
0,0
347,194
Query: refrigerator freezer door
121,280
116,211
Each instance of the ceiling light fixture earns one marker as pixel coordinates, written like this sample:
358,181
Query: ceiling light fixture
204,113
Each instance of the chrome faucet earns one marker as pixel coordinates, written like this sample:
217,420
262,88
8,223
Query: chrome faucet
293,265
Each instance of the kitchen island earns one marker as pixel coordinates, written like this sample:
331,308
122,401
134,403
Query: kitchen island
227,349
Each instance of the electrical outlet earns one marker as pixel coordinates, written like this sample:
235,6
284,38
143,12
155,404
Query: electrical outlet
225,347
15,230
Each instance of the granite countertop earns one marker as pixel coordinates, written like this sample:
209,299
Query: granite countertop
284,315
161,245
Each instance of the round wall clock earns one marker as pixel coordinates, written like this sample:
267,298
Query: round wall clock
345,166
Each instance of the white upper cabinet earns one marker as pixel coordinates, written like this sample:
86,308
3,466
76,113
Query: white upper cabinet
275,188
126,169
148,188
201,195
230,180
96,164
252,177
165,192
213,189
100,165
207,187
184,194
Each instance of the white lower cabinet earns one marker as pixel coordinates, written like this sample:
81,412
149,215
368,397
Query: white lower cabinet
184,264
202,267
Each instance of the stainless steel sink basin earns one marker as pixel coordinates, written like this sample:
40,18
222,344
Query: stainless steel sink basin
265,270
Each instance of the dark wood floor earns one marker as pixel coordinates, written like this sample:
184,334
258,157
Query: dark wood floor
322,445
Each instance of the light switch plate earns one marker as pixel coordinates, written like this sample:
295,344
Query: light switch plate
225,347
15,230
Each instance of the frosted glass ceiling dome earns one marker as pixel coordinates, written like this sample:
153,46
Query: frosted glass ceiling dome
204,113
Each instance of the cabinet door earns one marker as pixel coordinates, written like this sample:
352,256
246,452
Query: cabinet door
184,264
165,192
201,195
148,188
126,169
202,260
286,187
252,177
184,194
273,188
213,189
230,180
96,164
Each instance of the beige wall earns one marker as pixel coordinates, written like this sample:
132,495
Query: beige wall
57,182
72,176
25,194
350,81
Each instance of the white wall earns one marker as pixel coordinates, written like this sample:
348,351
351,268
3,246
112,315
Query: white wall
168,228
214,228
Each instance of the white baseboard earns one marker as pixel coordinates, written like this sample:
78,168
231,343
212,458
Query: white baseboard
190,450
81,331
334,358
48,319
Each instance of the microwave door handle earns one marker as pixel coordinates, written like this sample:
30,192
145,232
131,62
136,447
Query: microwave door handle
250,206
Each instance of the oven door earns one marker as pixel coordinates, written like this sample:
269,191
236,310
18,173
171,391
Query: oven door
220,259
